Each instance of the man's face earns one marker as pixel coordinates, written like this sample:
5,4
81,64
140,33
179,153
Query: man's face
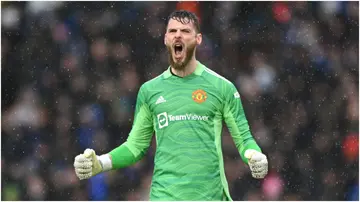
181,41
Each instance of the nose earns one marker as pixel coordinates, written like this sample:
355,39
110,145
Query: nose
178,34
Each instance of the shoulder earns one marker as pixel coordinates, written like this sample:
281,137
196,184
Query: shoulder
218,80
225,87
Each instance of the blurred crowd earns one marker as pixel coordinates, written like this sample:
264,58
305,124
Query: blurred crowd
71,72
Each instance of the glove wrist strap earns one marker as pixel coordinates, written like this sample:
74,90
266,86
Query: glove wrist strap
105,162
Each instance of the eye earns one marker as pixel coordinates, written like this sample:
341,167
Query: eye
172,30
185,30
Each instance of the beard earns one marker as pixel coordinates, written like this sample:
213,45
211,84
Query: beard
189,53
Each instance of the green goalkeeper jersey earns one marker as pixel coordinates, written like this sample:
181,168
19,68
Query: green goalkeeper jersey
186,115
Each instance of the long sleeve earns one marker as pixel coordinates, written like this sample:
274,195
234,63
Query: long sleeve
139,138
236,121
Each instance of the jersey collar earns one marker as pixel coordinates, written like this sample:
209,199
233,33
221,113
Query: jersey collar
198,71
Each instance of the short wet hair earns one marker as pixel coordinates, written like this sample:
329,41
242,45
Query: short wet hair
185,17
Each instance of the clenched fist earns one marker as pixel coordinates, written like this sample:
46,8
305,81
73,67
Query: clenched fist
257,162
87,165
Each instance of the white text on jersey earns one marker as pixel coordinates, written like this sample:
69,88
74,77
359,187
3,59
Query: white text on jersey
164,118
188,117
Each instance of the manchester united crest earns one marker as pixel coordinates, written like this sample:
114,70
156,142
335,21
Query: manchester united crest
199,96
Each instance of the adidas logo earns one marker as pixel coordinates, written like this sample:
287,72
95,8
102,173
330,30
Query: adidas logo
160,100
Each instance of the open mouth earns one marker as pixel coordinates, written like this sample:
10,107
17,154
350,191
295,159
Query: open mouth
178,48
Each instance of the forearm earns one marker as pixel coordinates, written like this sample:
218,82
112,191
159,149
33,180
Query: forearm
122,157
247,143
119,157
241,135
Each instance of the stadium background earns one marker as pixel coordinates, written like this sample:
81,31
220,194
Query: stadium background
71,71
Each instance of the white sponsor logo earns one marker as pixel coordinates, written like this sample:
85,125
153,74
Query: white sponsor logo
164,118
160,100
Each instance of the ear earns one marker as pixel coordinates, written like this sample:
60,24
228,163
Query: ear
198,38
165,39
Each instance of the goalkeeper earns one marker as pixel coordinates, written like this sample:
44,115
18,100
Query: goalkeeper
185,107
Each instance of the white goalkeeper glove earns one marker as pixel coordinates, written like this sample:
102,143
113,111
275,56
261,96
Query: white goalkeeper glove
89,164
257,162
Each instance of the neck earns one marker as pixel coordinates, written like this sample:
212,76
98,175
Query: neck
187,70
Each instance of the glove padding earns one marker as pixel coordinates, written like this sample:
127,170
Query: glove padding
87,165
257,162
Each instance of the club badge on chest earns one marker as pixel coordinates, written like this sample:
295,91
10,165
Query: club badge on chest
199,96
